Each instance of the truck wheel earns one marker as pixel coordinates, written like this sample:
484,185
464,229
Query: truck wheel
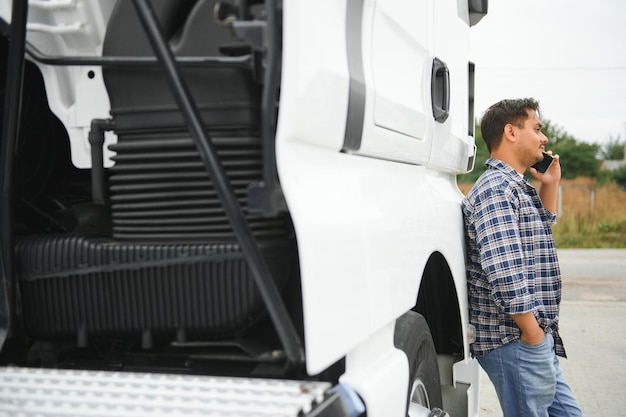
413,337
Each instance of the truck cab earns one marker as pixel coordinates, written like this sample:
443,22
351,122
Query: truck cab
259,191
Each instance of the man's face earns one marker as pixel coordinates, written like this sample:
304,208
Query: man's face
531,140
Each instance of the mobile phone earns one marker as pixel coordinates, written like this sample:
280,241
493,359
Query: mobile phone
543,165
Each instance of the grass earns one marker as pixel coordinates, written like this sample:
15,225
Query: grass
591,215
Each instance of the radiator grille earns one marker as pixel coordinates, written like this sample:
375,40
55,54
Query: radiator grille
159,188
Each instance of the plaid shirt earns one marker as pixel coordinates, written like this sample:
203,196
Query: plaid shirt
512,265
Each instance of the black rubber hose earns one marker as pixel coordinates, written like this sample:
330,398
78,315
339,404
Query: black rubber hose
96,141
9,311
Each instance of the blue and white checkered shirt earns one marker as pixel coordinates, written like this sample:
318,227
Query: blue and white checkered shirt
512,265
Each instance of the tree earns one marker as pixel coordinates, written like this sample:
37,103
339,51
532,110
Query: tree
577,158
613,150
619,176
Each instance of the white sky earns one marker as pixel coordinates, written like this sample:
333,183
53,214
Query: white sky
568,54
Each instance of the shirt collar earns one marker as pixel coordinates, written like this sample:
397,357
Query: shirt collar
507,170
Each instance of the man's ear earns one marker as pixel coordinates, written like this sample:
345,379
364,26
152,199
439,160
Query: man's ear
509,132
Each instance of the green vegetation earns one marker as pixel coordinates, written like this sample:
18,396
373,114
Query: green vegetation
577,158
619,176
613,150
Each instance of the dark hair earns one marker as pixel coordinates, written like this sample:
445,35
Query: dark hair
502,113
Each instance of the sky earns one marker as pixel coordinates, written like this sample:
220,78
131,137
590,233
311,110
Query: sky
568,54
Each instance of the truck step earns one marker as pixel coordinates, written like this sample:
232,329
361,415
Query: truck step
55,392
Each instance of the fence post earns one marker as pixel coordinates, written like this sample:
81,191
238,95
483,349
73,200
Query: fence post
592,199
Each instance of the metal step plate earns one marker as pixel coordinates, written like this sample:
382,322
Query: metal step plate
52,392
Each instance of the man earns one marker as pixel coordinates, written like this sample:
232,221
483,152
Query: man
514,281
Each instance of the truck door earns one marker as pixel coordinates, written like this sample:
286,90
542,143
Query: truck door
453,140
409,88
397,71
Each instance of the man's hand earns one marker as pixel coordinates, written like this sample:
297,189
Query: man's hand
552,176
533,338
532,334
550,179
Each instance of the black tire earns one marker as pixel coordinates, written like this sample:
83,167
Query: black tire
412,336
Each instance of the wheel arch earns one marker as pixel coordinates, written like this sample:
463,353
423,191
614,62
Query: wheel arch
438,302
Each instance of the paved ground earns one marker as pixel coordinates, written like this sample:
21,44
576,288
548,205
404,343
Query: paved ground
593,326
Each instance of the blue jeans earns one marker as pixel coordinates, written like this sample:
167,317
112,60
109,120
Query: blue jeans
529,381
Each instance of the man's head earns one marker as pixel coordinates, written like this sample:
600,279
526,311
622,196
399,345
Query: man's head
514,112
512,131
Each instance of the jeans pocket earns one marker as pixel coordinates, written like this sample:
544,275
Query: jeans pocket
538,346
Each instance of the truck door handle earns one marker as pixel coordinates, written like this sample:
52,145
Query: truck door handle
440,90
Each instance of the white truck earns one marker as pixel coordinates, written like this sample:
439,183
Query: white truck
244,208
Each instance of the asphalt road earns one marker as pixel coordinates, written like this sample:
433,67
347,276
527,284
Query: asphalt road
593,326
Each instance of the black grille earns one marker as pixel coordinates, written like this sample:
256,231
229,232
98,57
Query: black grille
159,188
97,287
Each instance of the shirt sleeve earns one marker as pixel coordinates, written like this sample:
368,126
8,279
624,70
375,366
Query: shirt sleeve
548,218
501,256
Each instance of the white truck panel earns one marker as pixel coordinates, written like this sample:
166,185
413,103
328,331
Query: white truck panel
400,52
379,374
362,253
397,67
315,71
